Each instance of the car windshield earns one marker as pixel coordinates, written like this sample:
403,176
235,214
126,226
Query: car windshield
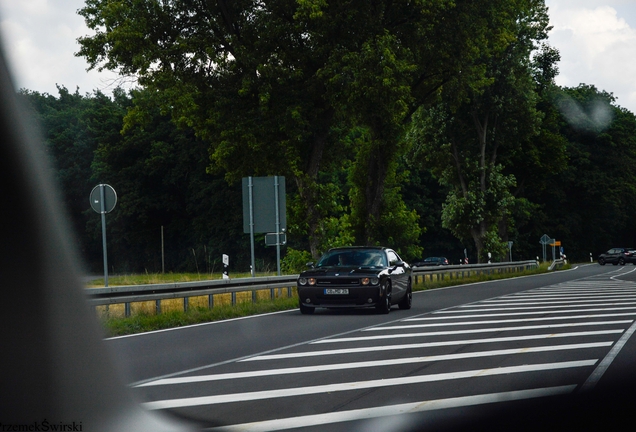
352,258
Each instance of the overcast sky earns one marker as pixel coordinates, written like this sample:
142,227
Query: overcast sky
596,38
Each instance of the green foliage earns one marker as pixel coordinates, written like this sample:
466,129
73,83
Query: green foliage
270,86
590,202
324,93
471,145
295,261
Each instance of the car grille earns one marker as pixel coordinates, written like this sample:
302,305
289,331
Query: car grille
337,281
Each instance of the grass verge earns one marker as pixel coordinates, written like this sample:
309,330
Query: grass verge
145,320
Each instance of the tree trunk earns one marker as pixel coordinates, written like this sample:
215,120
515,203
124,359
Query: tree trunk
307,191
478,233
377,169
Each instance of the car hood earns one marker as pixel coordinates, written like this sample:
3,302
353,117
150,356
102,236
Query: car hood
343,271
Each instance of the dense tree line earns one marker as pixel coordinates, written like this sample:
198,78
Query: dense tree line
431,126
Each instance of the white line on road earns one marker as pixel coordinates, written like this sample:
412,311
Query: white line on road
393,410
461,314
428,345
607,361
366,364
478,309
466,331
465,323
561,298
359,385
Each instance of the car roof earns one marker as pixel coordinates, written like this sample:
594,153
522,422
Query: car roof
357,248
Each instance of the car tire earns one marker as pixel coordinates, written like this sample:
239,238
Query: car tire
621,261
384,306
407,301
306,310
601,261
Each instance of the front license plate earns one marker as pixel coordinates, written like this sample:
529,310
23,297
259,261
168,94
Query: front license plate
336,291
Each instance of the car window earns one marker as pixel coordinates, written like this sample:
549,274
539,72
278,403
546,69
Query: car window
352,257
375,259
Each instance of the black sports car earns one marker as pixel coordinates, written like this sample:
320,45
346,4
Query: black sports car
356,277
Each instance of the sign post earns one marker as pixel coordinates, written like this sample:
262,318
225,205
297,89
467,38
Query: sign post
545,240
103,199
264,205
226,266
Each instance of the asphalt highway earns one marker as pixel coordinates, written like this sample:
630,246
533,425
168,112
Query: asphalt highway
526,345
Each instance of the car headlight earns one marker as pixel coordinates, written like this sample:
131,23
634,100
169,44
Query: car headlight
312,281
365,281
302,281
375,281
369,281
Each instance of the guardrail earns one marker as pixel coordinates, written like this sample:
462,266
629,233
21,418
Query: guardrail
467,270
557,264
141,293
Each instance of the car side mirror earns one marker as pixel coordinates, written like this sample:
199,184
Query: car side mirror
396,265
310,264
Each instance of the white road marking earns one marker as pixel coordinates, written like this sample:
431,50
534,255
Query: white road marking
376,363
393,410
551,302
607,361
555,298
359,385
428,345
466,331
478,309
461,316
465,323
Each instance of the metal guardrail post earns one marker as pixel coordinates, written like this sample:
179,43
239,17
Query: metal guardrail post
158,306
210,301
127,309
233,299
185,304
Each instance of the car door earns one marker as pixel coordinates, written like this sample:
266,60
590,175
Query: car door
398,276
615,254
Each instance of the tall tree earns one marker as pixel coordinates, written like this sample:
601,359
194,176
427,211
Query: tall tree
467,144
274,86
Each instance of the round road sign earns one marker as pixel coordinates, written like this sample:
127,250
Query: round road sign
109,198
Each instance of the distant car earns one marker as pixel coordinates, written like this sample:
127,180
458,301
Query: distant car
431,261
356,277
618,256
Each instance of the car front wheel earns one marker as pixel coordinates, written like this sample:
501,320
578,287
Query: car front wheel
384,305
621,261
601,261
